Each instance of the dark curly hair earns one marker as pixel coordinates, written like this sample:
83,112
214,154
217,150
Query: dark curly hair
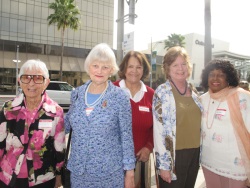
141,58
226,67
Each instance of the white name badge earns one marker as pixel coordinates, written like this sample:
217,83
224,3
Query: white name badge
89,110
220,111
45,123
144,108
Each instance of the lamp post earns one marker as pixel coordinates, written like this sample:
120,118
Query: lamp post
17,61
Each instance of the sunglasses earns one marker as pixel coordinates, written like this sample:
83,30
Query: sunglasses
37,79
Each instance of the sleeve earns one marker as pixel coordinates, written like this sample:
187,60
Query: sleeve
3,133
244,100
160,133
67,125
59,140
125,123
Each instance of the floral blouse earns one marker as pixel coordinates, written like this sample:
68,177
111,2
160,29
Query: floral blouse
43,135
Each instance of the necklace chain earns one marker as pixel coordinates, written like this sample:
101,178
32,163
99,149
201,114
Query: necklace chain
97,100
178,89
211,125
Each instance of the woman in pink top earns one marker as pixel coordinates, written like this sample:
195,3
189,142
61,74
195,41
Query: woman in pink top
31,133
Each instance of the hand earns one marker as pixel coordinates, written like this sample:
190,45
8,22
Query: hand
58,181
129,179
165,175
143,154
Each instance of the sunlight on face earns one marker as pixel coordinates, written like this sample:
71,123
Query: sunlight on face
134,70
99,72
179,69
31,89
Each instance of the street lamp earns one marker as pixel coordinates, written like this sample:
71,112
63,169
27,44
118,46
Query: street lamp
17,61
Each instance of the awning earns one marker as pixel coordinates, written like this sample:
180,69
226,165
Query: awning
53,62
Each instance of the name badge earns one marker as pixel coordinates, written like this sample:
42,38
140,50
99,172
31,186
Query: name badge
88,111
220,111
45,123
143,108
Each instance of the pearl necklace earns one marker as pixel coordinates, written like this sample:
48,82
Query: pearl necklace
97,100
211,125
178,89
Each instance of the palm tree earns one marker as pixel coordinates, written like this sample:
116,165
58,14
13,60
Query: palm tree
174,40
66,15
208,40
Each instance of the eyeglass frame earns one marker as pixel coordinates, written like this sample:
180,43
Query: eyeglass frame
31,78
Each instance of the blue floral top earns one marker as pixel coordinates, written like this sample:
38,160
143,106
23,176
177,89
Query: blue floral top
102,142
164,116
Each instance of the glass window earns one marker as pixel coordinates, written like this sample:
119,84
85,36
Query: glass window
5,26
22,9
45,13
30,10
14,7
51,31
29,27
21,26
44,28
37,12
37,29
6,7
95,8
13,25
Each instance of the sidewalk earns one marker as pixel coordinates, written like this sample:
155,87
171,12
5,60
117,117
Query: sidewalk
200,181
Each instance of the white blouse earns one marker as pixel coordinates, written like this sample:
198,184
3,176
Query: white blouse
220,153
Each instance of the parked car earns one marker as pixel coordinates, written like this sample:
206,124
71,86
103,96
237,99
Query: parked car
60,92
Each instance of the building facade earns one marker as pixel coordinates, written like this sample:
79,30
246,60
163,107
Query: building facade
194,44
23,23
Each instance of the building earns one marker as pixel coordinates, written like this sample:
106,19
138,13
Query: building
194,44
24,23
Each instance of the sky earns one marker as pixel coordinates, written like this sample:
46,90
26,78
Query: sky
157,19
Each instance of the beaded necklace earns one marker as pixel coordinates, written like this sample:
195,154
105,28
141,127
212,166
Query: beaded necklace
97,100
178,89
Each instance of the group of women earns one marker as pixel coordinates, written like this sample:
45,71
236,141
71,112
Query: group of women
116,126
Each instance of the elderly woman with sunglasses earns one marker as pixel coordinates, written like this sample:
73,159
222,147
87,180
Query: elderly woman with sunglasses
31,133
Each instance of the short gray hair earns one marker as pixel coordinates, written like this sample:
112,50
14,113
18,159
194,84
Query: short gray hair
34,64
103,53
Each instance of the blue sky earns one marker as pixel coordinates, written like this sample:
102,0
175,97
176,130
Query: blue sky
159,18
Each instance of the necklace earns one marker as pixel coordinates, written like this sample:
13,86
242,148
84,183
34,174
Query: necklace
209,127
97,100
178,89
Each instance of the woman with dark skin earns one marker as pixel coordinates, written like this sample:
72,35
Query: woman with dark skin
225,127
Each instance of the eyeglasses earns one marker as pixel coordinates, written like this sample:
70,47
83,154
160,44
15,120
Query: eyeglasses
38,79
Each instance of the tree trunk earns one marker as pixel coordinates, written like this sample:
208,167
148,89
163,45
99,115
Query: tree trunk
208,40
62,49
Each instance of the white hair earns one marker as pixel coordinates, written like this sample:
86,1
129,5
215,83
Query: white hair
102,53
34,64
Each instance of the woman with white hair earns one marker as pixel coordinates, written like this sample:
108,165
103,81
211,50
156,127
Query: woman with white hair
31,133
102,150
